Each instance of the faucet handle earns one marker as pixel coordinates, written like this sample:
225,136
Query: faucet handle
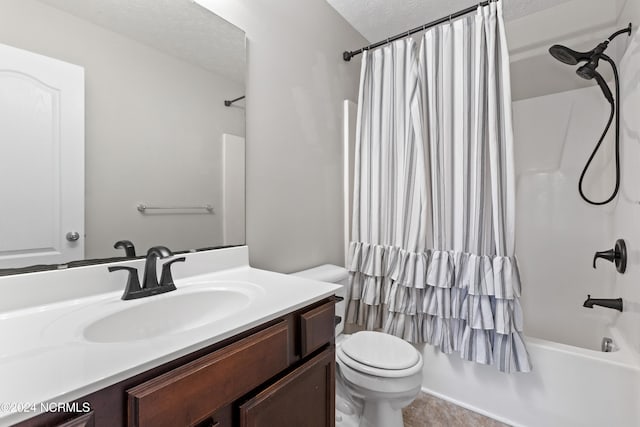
609,255
166,279
617,255
133,283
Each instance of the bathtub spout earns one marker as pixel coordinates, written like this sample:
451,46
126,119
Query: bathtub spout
615,303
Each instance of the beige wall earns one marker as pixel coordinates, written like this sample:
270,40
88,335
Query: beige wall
296,83
154,128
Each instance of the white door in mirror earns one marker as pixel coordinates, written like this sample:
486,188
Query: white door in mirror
42,126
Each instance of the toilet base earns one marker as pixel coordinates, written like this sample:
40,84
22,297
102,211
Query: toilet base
380,408
378,413
374,413
348,410
346,414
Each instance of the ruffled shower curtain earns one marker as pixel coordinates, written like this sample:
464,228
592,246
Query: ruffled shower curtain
432,251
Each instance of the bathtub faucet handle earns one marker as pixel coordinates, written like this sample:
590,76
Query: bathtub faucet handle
609,255
617,255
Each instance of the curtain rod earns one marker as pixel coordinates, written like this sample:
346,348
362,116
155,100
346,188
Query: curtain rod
347,55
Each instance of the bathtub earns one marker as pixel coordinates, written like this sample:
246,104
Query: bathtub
569,385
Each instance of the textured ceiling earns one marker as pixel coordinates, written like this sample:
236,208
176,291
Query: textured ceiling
180,28
378,19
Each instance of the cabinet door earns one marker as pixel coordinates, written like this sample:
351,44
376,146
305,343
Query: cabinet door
191,393
85,420
303,398
317,328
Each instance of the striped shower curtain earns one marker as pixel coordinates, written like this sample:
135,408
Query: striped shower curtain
432,251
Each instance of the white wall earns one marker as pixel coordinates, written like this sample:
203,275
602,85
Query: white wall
549,213
296,83
154,128
557,233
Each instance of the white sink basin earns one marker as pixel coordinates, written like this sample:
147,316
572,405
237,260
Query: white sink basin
166,314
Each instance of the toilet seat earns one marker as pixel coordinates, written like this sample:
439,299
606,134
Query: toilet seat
379,354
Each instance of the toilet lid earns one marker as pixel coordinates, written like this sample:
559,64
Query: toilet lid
345,361
380,350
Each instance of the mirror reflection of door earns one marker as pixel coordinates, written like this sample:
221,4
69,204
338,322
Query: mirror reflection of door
41,160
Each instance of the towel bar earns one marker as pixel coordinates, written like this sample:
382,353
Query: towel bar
143,208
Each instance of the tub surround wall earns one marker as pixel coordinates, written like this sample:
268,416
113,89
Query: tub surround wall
554,136
296,83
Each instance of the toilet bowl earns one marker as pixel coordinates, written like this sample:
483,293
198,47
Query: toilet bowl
377,374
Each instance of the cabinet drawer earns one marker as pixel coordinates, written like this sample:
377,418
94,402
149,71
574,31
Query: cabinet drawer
189,394
317,328
303,398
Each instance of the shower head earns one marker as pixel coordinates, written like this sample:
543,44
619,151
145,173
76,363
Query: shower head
588,70
572,57
568,56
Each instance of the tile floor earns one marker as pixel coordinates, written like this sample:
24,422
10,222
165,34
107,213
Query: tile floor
429,411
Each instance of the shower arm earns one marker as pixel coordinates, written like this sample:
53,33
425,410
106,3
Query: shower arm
622,31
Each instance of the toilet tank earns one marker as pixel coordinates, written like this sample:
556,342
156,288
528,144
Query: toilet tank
332,274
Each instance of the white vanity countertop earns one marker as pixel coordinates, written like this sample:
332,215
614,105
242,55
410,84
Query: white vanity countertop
45,357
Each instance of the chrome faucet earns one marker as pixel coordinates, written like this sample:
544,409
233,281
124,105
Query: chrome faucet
150,285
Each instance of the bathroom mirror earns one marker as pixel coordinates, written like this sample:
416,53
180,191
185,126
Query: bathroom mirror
163,154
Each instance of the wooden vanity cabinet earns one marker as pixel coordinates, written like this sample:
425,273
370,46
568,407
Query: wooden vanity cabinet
192,392
304,397
278,374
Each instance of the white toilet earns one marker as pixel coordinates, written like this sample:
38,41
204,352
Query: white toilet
377,374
